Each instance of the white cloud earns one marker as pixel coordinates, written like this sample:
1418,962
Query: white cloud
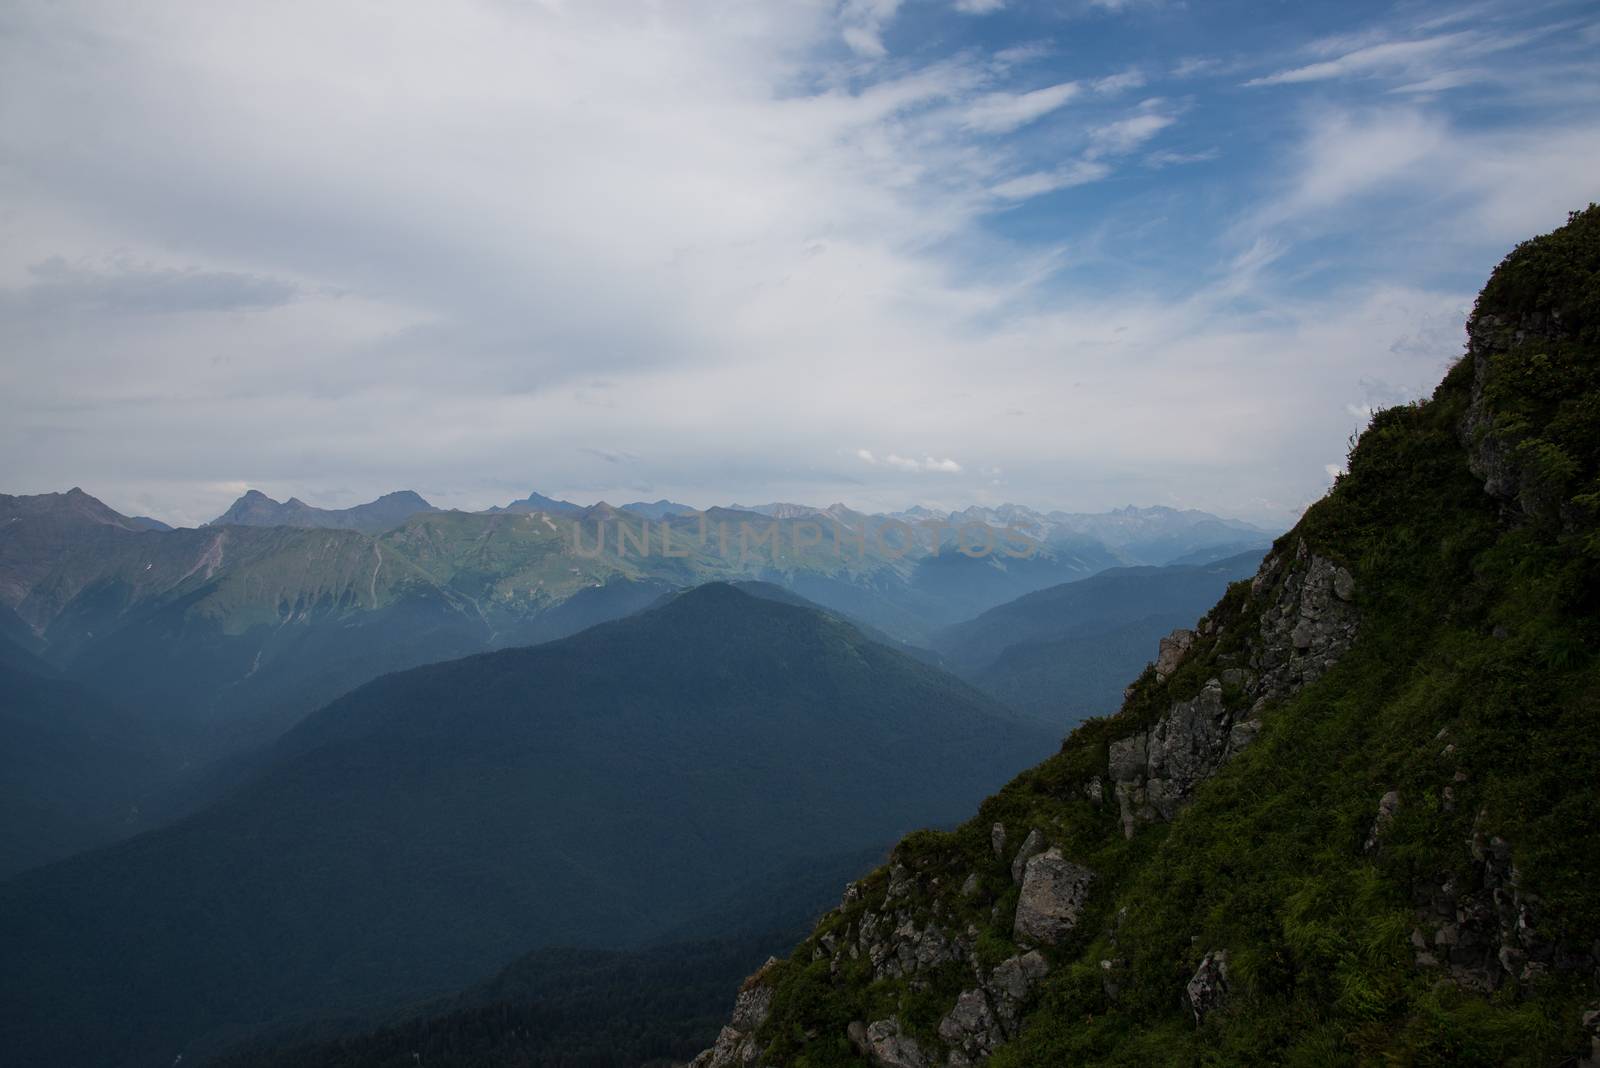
978,7
1427,63
1003,112
1123,136
494,245
1118,83
862,23
1386,56
1158,160
1194,66
1027,52
1347,154
930,464
1040,182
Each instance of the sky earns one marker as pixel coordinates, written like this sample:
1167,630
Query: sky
1071,253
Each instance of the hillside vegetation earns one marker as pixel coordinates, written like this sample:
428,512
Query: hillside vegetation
1352,823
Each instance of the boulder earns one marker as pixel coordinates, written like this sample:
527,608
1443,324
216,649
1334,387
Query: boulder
1009,985
970,1029
1207,991
1054,892
888,1047
1170,653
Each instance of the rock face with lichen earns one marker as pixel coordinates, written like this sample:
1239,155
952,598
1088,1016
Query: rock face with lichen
736,1045
1308,622
1054,892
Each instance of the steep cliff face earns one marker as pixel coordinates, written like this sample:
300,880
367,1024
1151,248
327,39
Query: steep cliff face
1349,817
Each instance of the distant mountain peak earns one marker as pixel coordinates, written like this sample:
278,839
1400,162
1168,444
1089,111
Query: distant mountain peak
256,509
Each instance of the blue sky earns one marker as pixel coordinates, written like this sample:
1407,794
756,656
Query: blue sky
1073,254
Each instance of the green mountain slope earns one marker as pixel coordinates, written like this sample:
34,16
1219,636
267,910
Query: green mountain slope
556,1007
1065,653
601,790
1353,824
74,770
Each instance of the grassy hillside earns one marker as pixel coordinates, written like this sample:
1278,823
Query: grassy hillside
1399,868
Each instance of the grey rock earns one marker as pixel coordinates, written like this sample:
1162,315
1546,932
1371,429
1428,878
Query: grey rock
889,1047
997,839
1241,734
1127,758
1237,677
1155,773
1031,846
1388,805
1171,651
970,1028
1207,991
969,885
1054,892
736,1044
1307,628
1591,1031
1009,985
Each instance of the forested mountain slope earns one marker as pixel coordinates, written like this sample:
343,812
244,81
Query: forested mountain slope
601,791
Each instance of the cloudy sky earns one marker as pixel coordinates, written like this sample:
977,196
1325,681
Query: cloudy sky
1072,253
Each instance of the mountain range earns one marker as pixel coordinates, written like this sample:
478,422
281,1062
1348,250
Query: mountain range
256,509
1065,653
411,836
227,634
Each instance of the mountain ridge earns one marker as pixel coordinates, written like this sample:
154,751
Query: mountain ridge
1332,819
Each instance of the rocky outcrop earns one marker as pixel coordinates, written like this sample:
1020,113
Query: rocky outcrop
886,1045
1054,892
1308,623
1388,805
1486,929
1493,443
1171,651
1207,991
736,1044
1031,847
990,1013
970,1029
1155,771
1307,628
